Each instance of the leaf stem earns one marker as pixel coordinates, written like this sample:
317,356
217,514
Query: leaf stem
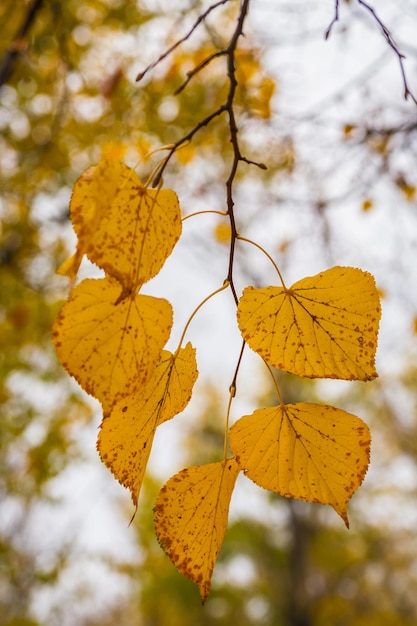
274,380
232,394
157,168
222,213
266,254
193,314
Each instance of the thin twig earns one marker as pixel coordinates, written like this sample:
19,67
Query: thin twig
334,20
174,46
186,138
390,41
198,68
388,38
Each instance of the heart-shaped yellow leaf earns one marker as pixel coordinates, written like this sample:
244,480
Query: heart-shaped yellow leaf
125,228
126,435
324,326
111,347
191,515
311,452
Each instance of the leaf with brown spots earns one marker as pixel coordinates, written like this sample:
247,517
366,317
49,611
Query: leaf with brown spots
191,515
111,346
324,326
125,228
126,435
311,452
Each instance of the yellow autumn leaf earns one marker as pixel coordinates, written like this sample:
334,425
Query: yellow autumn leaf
311,452
92,195
126,435
324,326
125,228
111,347
191,515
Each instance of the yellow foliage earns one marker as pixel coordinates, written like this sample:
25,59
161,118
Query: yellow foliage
111,338
111,347
408,189
191,515
186,153
223,232
312,452
265,92
256,90
324,326
113,151
348,129
367,205
126,435
123,227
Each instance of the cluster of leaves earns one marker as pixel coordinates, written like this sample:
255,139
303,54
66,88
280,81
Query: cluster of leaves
111,338
58,76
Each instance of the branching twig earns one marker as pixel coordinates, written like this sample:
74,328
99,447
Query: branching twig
388,38
198,68
233,128
185,139
174,46
228,107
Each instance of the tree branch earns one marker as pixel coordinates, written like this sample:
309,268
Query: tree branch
18,44
388,38
334,20
198,68
227,107
237,156
174,46
390,41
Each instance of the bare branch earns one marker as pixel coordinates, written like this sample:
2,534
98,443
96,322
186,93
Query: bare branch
388,37
185,139
227,107
174,46
18,44
390,41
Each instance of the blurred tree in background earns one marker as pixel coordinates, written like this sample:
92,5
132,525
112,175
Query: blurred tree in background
340,186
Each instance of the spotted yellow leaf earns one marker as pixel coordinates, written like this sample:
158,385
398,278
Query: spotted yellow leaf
311,452
111,346
191,515
126,435
324,326
125,228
